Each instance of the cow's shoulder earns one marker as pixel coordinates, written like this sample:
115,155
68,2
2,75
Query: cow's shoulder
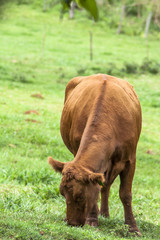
71,86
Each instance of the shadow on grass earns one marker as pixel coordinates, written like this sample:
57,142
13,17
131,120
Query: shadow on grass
118,228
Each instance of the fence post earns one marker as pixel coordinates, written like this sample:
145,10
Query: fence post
44,5
91,46
148,21
121,19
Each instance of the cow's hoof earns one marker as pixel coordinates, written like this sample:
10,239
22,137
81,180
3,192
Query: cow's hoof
92,222
135,231
104,214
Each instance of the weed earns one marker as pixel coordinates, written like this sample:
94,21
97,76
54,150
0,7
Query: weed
131,68
150,66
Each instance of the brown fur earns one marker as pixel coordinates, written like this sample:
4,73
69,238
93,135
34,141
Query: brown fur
100,125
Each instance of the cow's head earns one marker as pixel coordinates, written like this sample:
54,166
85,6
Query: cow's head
80,187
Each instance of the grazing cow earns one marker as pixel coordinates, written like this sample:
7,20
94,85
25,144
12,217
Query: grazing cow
100,125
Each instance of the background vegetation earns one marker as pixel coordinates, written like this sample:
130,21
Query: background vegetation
39,53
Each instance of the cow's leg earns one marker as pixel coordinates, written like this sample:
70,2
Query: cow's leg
104,211
126,177
92,217
114,172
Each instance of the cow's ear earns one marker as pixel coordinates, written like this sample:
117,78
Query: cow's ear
97,178
57,166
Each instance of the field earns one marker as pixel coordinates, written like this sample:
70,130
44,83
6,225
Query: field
39,53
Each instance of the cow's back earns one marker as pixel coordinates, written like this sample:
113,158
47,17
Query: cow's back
106,103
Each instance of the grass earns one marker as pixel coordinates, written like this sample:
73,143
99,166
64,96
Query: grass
38,55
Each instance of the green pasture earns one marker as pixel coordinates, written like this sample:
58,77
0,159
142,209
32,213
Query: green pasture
39,53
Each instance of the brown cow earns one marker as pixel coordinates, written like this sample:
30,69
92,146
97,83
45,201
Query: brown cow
100,125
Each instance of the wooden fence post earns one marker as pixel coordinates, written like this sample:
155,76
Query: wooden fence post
91,46
148,21
44,5
121,19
